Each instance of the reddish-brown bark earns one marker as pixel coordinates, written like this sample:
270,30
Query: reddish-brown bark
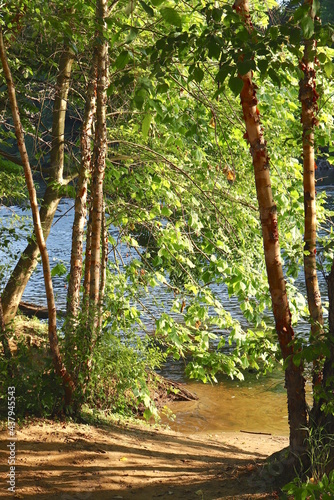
294,380
86,284
73,295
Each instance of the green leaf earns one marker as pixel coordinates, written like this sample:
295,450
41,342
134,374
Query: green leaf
214,48
245,66
59,270
297,359
235,83
139,101
149,11
274,76
122,59
322,57
328,68
307,27
171,16
315,7
148,414
132,35
166,211
162,88
145,126
225,70
156,3
198,74
262,65
217,14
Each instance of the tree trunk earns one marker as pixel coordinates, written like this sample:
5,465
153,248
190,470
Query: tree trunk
294,380
88,253
100,150
59,115
320,418
73,295
24,268
308,98
3,335
52,325
104,259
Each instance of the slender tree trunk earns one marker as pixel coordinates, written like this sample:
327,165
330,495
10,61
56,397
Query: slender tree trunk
73,296
322,419
104,256
52,325
59,115
294,380
24,268
100,147
88,253
104,261
3,335
308,97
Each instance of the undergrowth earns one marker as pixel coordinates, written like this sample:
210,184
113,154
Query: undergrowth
120,381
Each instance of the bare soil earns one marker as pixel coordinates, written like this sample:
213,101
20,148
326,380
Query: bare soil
67,461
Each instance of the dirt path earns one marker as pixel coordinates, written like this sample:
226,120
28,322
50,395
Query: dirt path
79,462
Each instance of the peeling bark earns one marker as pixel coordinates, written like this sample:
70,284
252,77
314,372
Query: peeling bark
88,253
308,97
104,261
73,295
100,150
294,380
52,324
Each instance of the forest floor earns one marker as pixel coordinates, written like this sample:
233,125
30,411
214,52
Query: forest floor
69,461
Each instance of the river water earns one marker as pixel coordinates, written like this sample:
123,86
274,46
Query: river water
254,405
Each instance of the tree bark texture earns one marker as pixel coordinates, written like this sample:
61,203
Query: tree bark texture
52,325
104,262
294,380
25,266
322,419
308,97
86,284
59,115
3,335
73,296
100,150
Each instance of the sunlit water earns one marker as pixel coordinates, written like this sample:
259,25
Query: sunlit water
251,406
254,405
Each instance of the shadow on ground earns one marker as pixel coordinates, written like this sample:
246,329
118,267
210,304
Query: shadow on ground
80,462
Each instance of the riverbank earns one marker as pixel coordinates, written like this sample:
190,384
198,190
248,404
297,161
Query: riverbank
65,461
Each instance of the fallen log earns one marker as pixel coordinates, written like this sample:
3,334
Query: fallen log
41,312
175,391
164,391
30,310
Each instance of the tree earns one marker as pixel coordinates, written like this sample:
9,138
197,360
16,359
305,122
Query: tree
24,268
170,165
294,380
52,324
308,97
